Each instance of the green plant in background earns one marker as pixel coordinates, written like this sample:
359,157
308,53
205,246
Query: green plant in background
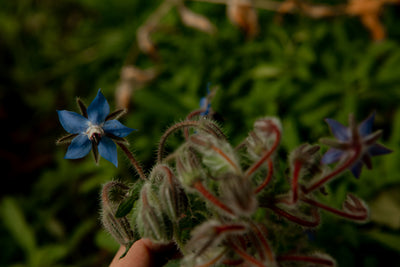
298,68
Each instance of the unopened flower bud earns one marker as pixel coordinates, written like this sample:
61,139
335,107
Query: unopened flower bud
119,228
216,154
306,155
210,234
172,196
238,192
150,220
266,136
188,167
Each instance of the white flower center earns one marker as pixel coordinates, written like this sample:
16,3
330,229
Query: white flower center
94,132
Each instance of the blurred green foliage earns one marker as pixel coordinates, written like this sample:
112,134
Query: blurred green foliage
302,70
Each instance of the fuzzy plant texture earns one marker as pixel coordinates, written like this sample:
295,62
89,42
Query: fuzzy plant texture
221,204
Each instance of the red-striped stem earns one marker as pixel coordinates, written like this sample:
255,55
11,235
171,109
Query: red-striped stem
133,161
309,259
178,126
308,223
247,257
335,172
267,178
353,216
210,197
295,181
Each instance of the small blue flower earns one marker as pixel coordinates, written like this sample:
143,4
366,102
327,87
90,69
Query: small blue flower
348,138
205,102
96,130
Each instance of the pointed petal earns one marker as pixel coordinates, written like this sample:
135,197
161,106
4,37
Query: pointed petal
356,169
338,130
366,159
108,150
72,122
331,156
116,128
365,127
79,147
98,109
377,149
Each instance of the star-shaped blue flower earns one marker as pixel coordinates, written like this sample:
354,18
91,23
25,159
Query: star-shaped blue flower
96,129
205,102
348,138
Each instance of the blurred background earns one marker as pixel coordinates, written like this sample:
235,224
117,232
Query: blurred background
300,61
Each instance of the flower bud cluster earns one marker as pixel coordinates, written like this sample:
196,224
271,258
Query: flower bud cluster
212,203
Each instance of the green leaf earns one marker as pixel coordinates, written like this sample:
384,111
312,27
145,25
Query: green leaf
125,207
14,220
390,240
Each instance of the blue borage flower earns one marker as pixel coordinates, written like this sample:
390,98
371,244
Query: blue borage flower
96,129
348,138
205,102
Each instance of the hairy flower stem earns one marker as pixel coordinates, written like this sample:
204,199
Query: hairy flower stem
357,217
264,242
247,257
228,228
309,259
213,261
335,172
295,181
233,262
296,219
133,161
202,190
268,178
268,154
178,126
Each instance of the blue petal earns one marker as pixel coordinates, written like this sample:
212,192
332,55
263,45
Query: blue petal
72,122
204,104
79,147
341,132
356,169
98,109
108,150
365,127
331,156
116,128
377,149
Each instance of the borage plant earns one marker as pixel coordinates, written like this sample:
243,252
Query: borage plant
219,204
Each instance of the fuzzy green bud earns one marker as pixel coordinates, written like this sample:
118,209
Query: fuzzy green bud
171,193
265,134
238,192
188,167
119,228
216,154
150,220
